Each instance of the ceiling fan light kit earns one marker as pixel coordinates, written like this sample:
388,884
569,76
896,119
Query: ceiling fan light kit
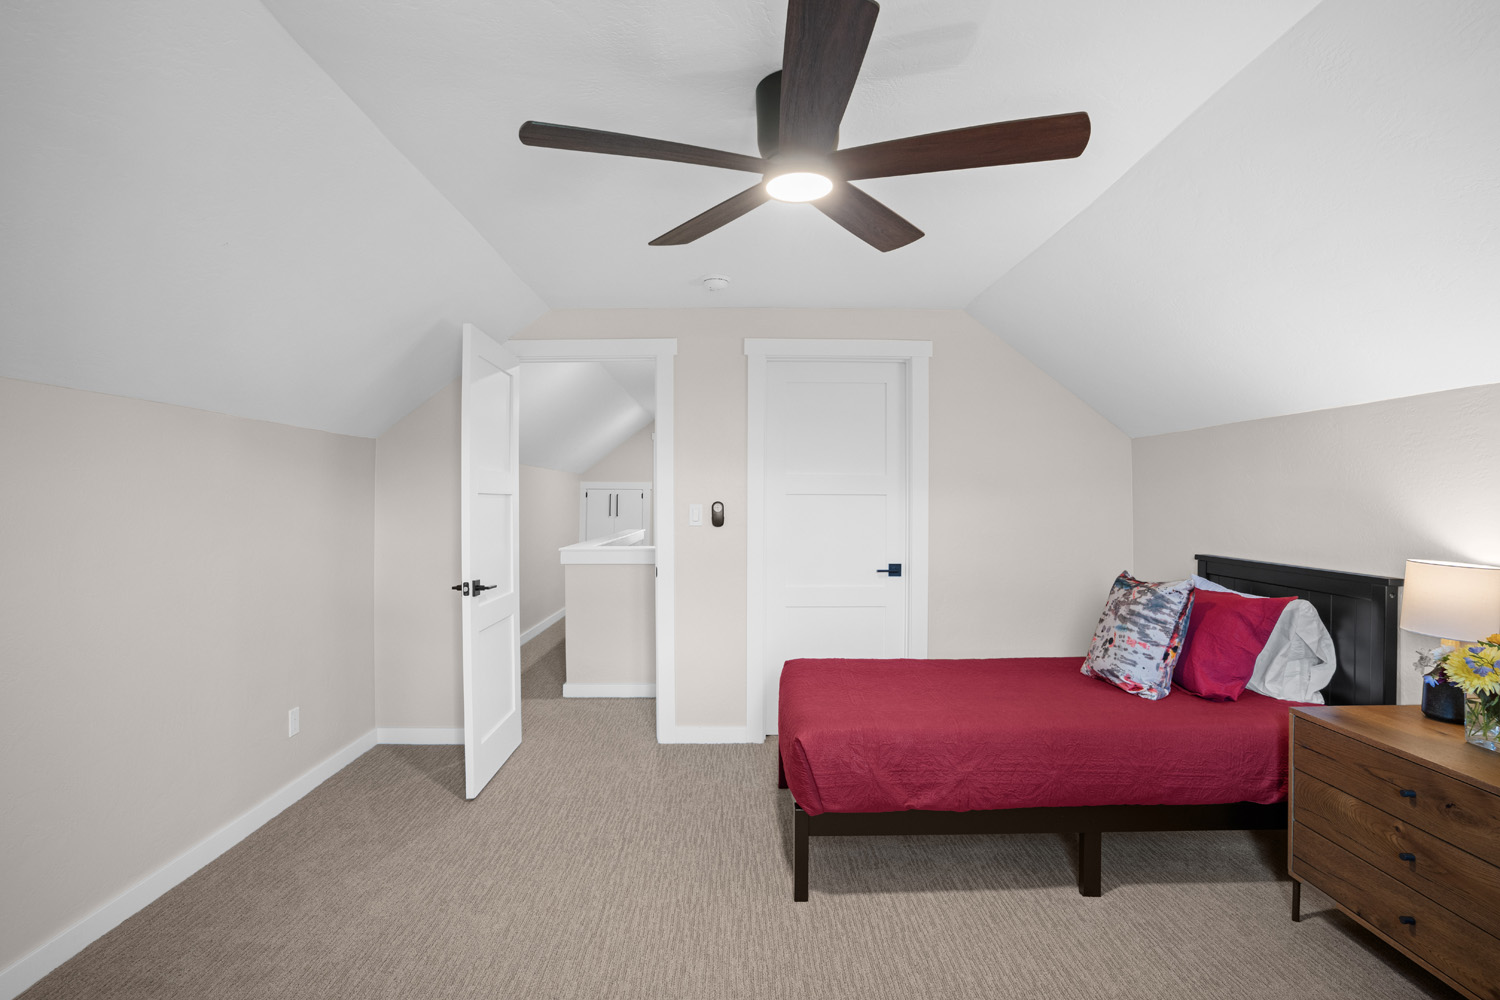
798,185
798,112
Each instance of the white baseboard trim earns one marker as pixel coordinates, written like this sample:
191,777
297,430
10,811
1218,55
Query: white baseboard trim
27,970
707,734
440,736
543,625
608,690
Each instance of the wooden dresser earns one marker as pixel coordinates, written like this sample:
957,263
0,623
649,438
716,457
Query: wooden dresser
1398,820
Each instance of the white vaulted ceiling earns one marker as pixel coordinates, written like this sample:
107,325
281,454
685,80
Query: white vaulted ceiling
574,413
284,209
450,81
192,212
1324,231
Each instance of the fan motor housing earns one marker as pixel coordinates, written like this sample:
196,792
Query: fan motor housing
768,114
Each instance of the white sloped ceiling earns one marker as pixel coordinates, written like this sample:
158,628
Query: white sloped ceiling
1324,231
574,413
285,211
450,81
194,213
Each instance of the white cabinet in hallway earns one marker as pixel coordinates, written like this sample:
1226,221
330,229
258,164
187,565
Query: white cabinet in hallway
610,508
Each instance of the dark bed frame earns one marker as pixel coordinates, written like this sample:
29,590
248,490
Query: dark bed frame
1360,613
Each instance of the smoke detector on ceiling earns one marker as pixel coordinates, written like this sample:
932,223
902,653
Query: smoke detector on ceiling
716,282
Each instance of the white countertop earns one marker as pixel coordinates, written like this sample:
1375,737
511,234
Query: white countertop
623,549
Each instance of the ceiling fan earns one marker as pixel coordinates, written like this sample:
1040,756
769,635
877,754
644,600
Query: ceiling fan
798,111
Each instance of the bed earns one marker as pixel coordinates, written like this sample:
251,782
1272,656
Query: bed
913,747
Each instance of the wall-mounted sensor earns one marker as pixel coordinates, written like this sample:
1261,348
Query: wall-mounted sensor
717,513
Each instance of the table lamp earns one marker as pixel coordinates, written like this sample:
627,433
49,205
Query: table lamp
1457,603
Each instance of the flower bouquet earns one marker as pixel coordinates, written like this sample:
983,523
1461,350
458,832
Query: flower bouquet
1474,668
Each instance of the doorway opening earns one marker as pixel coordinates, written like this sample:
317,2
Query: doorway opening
595,500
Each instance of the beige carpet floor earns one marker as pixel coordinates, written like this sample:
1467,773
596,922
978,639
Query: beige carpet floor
598,864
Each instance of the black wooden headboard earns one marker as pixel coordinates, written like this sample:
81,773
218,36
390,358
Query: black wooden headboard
1359,611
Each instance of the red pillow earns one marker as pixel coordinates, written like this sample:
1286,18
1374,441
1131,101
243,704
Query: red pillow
1225,634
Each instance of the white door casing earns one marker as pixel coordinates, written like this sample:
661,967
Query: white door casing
838,491
663,352
489,472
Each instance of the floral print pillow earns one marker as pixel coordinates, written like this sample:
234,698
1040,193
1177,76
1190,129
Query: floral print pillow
1140,634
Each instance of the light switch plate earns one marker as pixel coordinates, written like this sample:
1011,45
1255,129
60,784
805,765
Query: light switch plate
294,722
695,515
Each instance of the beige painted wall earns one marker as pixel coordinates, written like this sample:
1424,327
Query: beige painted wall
1030,489
171,583
629,463
549,520
418,641
611,624
1360,488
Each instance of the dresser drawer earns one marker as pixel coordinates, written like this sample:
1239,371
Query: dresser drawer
1429,800
1467,885
1464,952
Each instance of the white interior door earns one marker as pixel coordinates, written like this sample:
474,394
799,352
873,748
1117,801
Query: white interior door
835,514
489,475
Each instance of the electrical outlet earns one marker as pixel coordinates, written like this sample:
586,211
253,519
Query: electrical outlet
293,722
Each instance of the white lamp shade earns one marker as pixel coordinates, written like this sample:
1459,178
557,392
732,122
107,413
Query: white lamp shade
1451,600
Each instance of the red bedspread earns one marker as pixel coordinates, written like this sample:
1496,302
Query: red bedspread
954,735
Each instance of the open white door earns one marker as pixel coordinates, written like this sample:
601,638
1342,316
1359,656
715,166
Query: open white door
489,471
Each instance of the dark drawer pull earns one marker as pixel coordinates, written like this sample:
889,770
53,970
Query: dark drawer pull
1407,856
1412,921
1408,793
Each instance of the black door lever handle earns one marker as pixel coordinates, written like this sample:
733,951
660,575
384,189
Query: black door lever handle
894,569
480,588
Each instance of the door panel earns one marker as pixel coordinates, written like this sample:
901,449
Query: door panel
597,505
841,428
833,539
838,631
489,475
630,507
835,511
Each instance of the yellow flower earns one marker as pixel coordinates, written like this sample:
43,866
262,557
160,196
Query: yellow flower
1474,669
1493,640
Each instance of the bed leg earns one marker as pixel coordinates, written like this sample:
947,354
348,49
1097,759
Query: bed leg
1090,863
780,769
799,854
1296,900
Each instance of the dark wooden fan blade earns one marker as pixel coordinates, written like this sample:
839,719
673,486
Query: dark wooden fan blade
867,218
1056,137
721,214
825,46
588,140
